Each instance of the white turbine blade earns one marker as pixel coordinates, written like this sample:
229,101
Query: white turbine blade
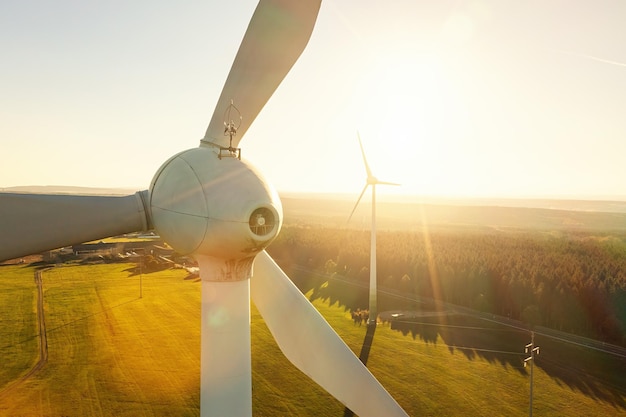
358,201
33,223
276,36
309,342
367,167
386,183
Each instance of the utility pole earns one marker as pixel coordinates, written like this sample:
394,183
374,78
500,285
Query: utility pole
141,276
532,349
141,259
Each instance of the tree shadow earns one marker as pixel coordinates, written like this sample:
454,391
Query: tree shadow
597,374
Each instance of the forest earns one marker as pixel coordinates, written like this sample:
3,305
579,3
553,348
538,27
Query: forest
572,281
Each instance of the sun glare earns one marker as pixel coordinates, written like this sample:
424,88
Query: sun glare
406,105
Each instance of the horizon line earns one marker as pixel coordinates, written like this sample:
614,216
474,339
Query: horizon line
338,194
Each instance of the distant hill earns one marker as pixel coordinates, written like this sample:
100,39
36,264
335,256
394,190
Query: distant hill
612,205
546,215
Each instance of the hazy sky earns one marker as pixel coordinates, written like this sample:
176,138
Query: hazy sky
452,98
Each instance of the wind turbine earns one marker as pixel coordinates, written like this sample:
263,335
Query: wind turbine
209,203
373,182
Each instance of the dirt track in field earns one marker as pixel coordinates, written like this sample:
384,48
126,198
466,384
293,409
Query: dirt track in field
42,336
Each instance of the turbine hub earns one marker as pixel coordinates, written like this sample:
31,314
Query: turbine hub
221,208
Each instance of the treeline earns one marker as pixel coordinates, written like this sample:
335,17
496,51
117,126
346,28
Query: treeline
574,282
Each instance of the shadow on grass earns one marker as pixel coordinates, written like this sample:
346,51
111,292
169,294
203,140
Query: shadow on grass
134,271
364,355
597,374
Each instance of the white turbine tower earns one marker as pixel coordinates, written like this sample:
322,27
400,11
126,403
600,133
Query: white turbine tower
373,182
208,203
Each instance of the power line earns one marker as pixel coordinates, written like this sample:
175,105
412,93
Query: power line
446,346
461,327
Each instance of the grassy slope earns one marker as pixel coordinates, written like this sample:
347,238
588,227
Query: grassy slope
112,353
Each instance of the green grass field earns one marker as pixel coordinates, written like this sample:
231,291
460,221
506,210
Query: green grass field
18,341
112,353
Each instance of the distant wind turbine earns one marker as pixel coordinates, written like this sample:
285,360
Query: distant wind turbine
373,313
373,181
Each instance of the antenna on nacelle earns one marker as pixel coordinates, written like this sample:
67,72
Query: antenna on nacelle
230,130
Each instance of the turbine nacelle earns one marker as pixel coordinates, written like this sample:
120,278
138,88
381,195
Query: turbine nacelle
222,208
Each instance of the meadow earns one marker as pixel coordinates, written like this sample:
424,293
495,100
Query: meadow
113,353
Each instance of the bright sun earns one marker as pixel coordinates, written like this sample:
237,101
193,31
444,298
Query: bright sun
408,109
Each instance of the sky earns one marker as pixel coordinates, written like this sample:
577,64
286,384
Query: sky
482,98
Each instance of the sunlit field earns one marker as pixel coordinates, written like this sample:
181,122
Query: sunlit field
112,353
18,341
